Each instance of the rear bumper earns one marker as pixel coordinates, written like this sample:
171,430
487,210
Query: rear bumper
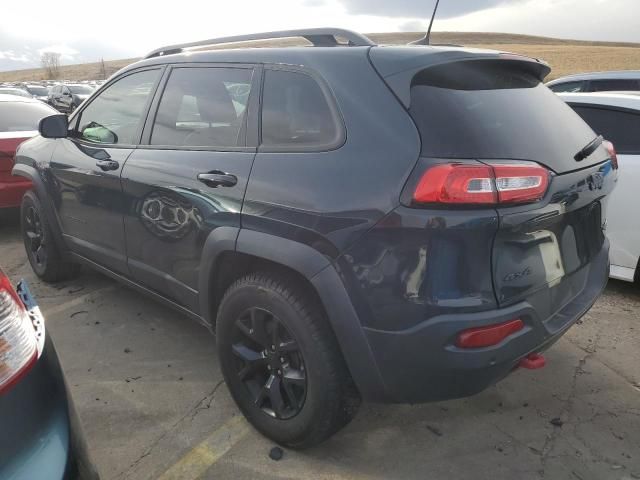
423,364
12,189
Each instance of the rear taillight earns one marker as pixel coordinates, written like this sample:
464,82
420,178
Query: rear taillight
482,183
18,344
612,153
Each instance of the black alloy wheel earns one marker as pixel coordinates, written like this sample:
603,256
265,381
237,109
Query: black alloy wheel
269,363
35,237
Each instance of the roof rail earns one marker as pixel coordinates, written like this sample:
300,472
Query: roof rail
319,37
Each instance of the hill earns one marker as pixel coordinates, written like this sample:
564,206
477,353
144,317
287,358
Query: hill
564,56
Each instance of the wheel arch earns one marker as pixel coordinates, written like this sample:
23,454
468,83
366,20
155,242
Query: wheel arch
39,188
231,253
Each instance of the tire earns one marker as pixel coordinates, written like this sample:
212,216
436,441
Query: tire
308,414
44,256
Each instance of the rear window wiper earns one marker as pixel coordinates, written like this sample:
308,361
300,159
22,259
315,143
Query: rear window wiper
589,149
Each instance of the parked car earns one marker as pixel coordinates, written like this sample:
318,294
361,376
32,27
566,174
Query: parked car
39,92
19,118
338,216
616,116
67,97
17,92
41,435
626,80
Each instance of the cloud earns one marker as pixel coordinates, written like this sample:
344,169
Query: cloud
66,52
420,8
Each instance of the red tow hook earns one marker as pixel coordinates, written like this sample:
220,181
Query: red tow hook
533,361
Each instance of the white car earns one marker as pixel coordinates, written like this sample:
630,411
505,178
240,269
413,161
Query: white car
616,116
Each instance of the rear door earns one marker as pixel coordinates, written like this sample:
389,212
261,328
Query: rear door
622,127
497,111
189,176
86,166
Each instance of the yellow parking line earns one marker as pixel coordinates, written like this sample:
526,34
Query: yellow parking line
198,460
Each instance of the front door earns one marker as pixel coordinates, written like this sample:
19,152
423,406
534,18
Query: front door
189,176
86,168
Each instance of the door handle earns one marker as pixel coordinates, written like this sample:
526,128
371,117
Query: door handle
106,165
218,179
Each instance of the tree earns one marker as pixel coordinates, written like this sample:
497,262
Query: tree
103,69
51,63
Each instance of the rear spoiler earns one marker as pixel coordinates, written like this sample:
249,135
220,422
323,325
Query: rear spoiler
398,71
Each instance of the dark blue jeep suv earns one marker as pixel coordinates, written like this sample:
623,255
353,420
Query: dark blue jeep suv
393,224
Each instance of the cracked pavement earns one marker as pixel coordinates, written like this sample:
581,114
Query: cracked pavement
148,389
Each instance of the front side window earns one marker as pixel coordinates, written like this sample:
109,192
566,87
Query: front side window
115,116
295,112
620,128
569,87
203,107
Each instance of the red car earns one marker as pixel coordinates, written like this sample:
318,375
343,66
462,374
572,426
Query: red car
19,118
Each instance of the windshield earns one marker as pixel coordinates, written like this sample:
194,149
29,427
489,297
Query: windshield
22,116
39,91
80,89
495,112
15,91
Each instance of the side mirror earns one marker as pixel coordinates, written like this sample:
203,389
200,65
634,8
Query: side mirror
54,126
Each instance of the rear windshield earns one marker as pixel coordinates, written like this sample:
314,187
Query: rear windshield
22,116
80,89
40,91
496,110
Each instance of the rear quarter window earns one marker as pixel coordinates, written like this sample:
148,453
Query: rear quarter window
296,113
618,126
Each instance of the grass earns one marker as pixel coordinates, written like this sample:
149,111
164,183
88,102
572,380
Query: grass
564,56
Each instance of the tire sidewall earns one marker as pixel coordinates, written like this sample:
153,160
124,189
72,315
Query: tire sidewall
233,305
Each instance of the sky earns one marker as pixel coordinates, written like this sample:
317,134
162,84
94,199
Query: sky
88,31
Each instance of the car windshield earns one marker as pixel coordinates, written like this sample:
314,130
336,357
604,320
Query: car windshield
14,91
81,89
39,91
22,116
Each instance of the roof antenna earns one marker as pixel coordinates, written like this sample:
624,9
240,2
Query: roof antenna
427,38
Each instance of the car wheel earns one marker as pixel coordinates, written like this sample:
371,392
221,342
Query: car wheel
43,254
281,361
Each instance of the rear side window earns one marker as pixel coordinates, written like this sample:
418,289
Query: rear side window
115,115
571,87
621,128
494,110
203,107
22,116
296,113
614,85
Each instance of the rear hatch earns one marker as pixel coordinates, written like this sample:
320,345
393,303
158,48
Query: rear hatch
497,109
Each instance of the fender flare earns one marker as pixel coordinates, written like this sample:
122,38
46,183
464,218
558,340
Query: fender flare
322,276
27,171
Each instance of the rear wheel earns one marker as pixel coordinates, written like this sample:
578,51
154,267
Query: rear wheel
43,254
281,361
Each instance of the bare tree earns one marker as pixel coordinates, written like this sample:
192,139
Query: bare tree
50,61
103,69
